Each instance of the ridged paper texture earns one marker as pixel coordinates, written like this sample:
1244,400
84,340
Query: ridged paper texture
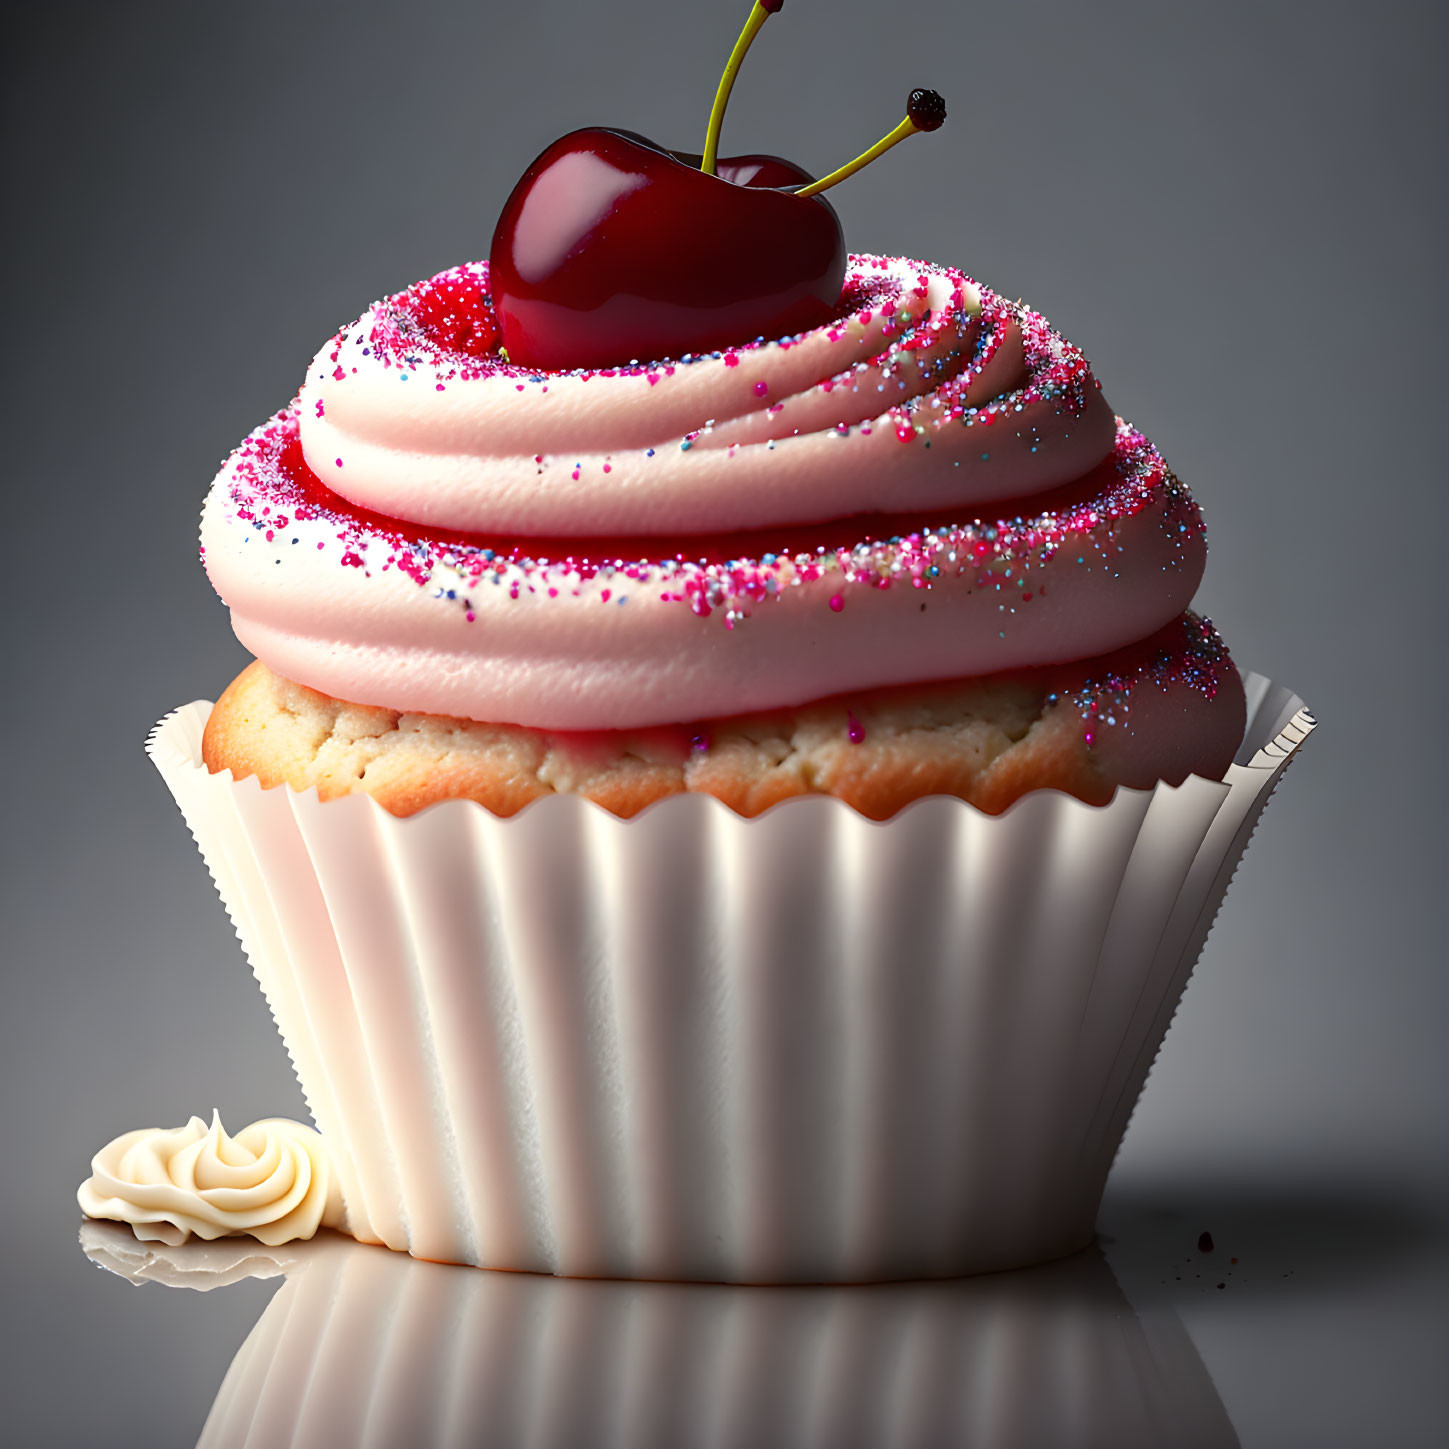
804,1047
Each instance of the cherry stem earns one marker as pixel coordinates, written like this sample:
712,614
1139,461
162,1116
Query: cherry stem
761,12
925,110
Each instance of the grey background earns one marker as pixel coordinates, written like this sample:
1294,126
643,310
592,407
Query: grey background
1237,209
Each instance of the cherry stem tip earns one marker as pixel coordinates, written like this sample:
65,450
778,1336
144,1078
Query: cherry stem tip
925,110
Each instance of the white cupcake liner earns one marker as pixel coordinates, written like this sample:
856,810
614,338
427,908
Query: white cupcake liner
363,1347
806,1047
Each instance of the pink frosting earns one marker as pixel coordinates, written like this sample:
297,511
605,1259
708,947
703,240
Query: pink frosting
602,634
928,488
928,393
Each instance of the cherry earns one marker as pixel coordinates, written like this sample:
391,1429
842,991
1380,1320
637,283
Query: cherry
612,249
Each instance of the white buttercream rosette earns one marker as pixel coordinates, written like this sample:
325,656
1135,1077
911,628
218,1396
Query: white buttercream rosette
271,1181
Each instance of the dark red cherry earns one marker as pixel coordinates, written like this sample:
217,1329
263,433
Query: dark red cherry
612,249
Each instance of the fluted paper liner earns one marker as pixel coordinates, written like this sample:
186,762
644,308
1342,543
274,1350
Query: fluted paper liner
803,1047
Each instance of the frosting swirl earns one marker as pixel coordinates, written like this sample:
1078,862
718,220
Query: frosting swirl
612,634
945,395
930,487
271,1181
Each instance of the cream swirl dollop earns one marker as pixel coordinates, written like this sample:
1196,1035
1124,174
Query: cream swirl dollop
271,1181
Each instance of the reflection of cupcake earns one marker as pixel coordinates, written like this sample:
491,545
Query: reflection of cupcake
870,1032
362,1347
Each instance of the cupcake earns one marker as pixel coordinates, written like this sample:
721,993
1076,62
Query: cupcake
744,816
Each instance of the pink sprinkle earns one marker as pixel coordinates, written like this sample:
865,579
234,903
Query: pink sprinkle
470,616
608,468
439,387
732,359
837,603
854,728
339,462
761,388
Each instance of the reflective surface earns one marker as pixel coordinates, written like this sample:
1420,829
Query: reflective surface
1317,1317
365,1346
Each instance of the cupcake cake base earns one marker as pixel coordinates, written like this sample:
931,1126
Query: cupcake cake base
1161,709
